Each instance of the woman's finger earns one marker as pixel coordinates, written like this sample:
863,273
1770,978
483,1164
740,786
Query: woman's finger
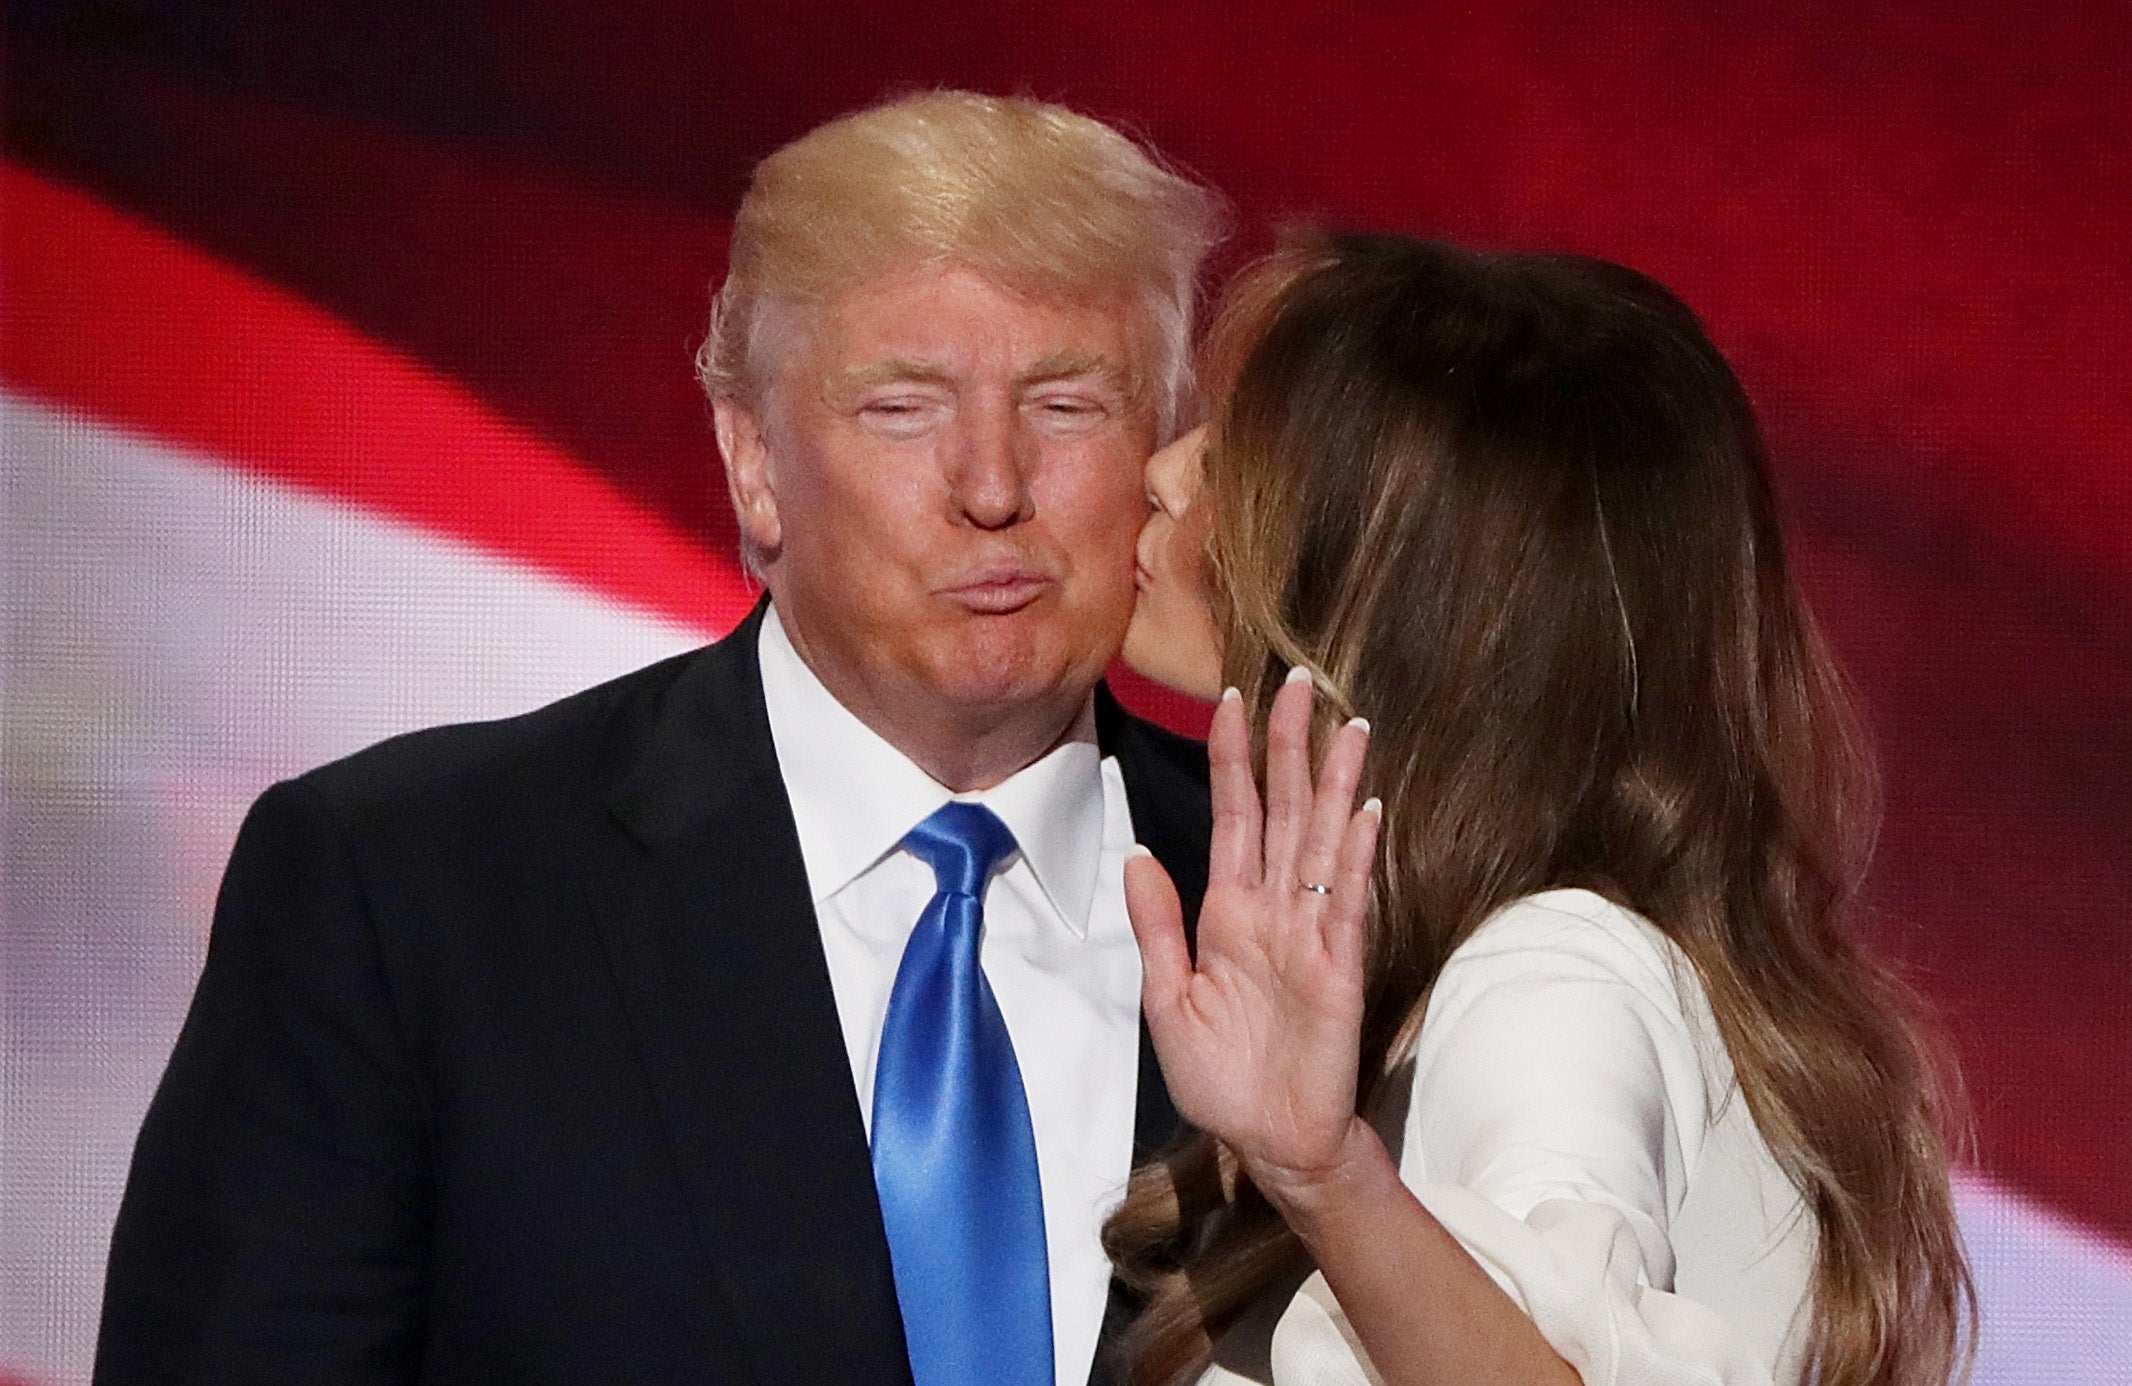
1287,778
1333,804
1158,925
1346,918
1233,858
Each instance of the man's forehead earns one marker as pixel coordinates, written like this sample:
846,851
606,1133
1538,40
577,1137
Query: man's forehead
919,304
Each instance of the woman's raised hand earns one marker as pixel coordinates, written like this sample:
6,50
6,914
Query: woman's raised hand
1259,1039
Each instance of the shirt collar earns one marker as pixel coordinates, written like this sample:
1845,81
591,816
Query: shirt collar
854,796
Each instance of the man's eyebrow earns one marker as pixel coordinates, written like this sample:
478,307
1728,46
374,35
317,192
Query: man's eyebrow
1070,364
894,370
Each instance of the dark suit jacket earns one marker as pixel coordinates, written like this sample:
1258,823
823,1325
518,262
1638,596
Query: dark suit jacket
515,1059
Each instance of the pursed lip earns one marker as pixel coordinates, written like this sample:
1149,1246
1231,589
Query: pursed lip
999,590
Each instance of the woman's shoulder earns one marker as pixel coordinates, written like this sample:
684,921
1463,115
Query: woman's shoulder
1572,934
1579,990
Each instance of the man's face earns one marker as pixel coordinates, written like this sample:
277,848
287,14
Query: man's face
951,493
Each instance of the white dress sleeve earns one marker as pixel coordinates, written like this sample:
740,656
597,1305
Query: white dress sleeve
1561,1095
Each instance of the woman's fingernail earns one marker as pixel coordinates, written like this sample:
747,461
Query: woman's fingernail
1373,804
1362,722
1299,674
1138,851
1231,695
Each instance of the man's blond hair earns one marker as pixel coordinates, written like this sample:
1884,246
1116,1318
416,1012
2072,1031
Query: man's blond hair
1030,195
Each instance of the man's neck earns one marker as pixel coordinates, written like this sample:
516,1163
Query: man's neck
974,757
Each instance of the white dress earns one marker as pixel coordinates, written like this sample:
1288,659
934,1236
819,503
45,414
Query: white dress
1572,1119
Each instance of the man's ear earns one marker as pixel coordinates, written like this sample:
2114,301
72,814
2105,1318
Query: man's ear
747,474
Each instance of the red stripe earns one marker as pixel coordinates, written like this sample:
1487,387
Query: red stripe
114,318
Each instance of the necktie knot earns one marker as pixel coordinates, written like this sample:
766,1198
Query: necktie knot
963,843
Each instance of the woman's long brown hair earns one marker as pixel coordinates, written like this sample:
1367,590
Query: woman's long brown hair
1515,509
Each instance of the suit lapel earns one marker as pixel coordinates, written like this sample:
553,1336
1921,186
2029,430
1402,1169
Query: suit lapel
709,928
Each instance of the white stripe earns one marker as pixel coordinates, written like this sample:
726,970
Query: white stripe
174,636
2056,1300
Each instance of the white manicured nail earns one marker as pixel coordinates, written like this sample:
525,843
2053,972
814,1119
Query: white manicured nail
1373,804
1231,695
1299,674
1138,851
1362,722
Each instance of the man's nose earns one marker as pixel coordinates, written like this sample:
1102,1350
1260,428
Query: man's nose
992,466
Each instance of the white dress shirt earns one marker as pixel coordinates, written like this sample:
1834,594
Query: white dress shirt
1058,947
1572,1119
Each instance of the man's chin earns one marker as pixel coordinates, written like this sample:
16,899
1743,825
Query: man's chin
992,696
990,678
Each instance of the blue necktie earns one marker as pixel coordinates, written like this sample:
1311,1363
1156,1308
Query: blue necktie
954,1151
